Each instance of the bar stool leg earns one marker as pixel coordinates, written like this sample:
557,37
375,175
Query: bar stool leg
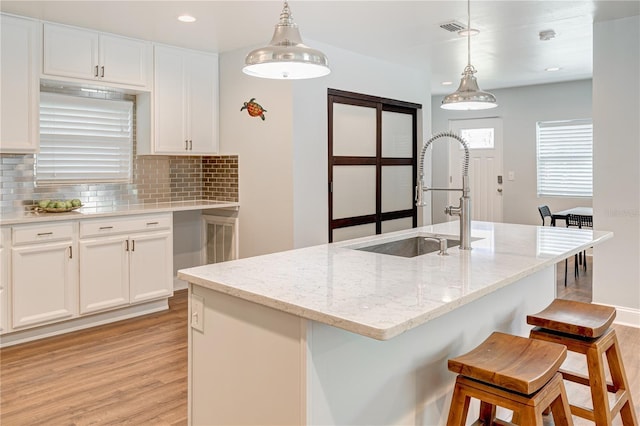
459,407
599,396
487,413
561,409
619,379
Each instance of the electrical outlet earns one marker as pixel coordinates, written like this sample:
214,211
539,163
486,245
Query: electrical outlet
197,312
511,175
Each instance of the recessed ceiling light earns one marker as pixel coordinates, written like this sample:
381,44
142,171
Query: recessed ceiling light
447,83
551,69
186,18
470,31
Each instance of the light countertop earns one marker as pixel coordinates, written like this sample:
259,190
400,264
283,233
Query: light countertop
382,296
118,210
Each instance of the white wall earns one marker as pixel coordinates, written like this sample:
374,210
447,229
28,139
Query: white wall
616,202
520,108
283,160
265,156
354,73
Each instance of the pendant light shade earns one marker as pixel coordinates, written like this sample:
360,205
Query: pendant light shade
469,96
286,57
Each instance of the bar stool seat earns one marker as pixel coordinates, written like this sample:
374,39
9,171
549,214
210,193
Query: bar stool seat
513,372
585,328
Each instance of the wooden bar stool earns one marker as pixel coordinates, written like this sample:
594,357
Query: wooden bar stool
513,372
585,328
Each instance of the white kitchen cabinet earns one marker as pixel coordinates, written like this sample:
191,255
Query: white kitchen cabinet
185,102
125,261
4,279
88,55
151,266
104,273
19,85
44,274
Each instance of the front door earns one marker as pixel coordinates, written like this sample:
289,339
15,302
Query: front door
484,137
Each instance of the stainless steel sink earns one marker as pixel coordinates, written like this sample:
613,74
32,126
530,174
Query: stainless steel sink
409,247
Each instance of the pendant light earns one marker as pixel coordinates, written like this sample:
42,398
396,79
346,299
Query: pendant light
469,96
286,57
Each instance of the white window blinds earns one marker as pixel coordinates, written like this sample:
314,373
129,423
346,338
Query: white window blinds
565,158
84,139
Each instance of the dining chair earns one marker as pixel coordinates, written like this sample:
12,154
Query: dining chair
544,213
577,221
583,222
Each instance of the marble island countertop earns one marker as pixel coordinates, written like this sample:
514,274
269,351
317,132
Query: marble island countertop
116,210
380,295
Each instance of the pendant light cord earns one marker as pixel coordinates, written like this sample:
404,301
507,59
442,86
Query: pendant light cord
468,32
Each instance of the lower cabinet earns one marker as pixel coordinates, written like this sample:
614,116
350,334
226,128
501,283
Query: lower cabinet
128,267
59,270
44,269
104,273
5,244
151,266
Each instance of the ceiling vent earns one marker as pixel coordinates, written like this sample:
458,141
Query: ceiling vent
453,26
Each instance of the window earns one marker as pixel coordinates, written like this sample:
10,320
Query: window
84,139
565,158
478,138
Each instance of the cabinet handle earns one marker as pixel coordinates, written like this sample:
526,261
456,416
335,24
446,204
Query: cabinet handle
70,252
127,247
106,227
152,223
186,144
133,245
190,145
42,234
102,74
96,74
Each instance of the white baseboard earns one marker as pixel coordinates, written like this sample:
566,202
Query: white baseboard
627,316
179,284
81,323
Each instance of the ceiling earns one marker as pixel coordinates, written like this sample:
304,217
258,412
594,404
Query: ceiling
507,53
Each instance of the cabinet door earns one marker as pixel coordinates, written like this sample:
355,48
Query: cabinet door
203,103
19,85
44,285
123,60
104,273
70,52
151,268
4,282
169,101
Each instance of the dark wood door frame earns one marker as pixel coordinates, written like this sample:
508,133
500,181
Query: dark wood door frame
380,104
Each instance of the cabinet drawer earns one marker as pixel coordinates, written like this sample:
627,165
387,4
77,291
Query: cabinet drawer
112,226
42,233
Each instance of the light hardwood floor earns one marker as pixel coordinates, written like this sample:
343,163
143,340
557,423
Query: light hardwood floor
135,371
131,372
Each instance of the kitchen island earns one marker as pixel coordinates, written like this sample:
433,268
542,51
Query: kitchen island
335,335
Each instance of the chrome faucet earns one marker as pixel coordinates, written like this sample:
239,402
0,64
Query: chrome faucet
463,210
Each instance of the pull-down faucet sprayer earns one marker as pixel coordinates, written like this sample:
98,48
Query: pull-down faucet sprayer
463,210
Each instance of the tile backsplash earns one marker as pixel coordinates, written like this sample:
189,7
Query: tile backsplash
156,179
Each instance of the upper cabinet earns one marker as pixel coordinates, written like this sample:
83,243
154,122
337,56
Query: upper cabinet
19,85
185,103
88,55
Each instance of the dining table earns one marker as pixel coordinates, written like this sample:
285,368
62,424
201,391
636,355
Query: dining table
581,211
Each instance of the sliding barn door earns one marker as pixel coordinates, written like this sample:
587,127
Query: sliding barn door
372,165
